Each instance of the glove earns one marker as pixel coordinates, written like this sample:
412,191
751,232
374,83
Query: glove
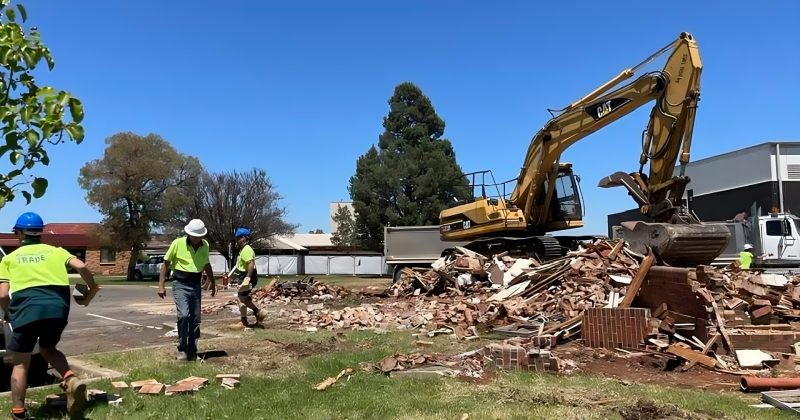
246,281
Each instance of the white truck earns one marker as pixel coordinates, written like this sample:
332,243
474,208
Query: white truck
412,246
149,269
775,239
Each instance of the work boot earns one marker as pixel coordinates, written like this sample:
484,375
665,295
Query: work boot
22,416
76,396
181,356
261,315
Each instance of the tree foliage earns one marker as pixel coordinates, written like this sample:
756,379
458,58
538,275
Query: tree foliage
227,200
411,176
32,116
346,235
139,185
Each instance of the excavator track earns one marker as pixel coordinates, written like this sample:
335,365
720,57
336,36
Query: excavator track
543,248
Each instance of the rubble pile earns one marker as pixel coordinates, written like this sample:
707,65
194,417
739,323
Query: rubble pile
727,319
467,292
466,365
466,272
288,291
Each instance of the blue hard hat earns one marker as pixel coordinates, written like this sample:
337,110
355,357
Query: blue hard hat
242,232
29,221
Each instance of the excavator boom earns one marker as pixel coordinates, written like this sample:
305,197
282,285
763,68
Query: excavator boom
546,196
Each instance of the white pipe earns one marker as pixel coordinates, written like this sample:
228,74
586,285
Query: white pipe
778,169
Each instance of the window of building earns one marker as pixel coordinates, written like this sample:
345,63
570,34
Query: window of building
108,255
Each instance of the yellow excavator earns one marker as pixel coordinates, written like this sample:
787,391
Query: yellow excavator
546,196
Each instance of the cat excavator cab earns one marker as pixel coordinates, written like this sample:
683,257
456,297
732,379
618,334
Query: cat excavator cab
546,196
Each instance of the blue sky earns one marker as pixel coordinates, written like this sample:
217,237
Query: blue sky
299,88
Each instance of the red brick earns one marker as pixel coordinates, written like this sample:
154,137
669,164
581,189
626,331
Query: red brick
615,327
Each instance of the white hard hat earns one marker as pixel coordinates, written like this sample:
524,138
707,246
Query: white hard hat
196,227
748,246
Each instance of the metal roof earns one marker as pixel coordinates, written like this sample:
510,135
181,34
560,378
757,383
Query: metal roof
743,149
301,241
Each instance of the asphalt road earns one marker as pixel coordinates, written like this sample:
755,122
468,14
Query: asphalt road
122,317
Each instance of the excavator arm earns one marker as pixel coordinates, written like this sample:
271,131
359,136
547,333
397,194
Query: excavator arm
533,208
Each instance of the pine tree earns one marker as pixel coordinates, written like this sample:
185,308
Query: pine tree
411,176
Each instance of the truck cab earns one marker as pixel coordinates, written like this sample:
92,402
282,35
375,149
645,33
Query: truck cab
779,240
775,238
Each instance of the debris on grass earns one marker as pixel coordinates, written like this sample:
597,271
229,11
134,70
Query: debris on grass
327,383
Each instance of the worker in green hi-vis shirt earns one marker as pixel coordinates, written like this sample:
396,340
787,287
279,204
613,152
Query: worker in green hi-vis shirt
246,270
35,298
188,257
746,257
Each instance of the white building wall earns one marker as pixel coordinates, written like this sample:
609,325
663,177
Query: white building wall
790,162
732,170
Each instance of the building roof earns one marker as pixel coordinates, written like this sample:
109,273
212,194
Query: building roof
281,242
302,241
743,149
65,240
70,228
67,235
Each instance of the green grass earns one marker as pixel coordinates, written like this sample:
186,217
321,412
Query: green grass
279,368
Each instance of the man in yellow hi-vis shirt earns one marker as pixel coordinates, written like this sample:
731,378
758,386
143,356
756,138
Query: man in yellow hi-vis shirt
188,256
35,298
246,270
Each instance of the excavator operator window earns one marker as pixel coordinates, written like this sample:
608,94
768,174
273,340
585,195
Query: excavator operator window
567,195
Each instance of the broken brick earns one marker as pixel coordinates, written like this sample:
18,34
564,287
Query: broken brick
152,389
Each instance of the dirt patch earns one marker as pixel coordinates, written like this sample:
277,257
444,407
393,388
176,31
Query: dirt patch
556,397
647,369
306,349
268,355
649,410
488,377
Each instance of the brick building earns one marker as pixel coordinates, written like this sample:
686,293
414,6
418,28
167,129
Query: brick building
77,238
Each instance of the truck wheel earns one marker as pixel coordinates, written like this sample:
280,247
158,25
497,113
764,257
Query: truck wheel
137,275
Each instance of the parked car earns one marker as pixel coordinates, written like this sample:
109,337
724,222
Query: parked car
148,269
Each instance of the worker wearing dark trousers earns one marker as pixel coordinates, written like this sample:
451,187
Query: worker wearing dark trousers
35,298
188,256
246,270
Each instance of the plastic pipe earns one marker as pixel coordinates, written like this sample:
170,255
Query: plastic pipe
755,383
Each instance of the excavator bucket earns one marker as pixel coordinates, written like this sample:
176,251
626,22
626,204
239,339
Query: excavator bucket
687,245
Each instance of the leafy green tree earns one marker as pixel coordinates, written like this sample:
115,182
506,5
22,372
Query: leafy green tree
139,186
346,235
411,176
32,116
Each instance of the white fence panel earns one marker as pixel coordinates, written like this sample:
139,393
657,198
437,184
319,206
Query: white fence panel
316,264
218,263
369,265
341,265
276,265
